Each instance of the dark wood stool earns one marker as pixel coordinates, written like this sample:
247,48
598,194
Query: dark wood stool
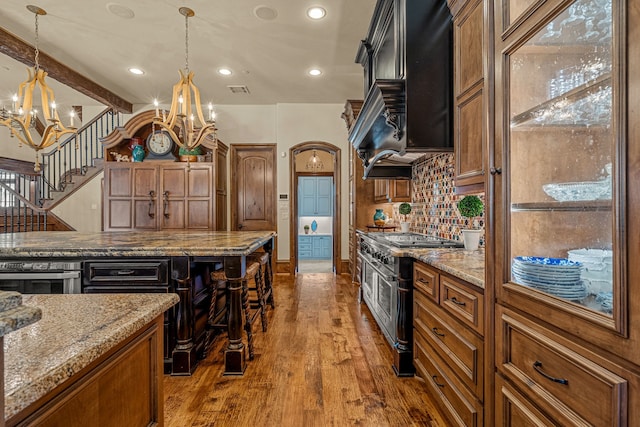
264,291
251,275
218,312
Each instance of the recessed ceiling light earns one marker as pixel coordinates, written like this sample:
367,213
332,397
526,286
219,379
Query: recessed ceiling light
315,72
316,12
225,71
136,71
265,13
120,10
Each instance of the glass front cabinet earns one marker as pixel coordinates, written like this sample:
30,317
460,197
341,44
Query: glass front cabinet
566,169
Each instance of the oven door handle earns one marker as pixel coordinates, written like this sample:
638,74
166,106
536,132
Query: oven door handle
41,275
374,265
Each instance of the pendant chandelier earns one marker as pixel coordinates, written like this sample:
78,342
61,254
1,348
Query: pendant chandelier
186,111
315,163
22,118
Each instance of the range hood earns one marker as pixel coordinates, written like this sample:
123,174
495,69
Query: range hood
406,117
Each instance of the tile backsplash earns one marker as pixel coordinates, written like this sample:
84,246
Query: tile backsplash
434,200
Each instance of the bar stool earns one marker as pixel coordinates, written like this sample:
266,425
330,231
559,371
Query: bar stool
218,312
264,290
251,275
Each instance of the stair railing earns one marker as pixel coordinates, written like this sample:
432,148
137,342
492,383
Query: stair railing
17,214
75,154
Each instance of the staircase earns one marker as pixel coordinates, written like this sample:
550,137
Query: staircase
26,198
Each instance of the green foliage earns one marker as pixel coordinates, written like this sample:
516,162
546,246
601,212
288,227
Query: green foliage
405,208
470,206
193,152
306,227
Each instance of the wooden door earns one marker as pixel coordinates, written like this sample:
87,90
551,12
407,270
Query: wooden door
253,187
145,194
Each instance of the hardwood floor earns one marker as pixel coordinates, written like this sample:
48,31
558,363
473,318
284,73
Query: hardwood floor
322,362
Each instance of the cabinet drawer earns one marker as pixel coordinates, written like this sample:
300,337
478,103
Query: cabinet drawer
462,302
425,279
461,349
561,381
128,271
458,404
514,410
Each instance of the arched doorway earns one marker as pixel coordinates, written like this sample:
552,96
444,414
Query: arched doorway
302,169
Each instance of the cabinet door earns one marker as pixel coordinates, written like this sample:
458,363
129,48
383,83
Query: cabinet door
308,196
381,190
470,51
187,197
561,89
400,190
117,197
324,192
145,190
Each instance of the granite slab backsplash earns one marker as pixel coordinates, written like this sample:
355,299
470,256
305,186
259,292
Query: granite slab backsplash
434,200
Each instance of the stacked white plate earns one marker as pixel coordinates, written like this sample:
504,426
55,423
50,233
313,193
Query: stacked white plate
597,271
556,276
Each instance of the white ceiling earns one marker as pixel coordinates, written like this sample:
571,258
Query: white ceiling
270,57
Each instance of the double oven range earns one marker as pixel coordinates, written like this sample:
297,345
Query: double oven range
386,286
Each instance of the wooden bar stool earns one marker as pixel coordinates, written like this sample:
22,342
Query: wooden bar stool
264,291
251,275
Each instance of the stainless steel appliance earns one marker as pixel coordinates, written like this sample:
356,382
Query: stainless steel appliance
41,277
387,284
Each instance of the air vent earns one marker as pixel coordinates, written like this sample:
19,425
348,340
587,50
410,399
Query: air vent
238,88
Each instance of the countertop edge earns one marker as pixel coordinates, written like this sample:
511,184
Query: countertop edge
20,397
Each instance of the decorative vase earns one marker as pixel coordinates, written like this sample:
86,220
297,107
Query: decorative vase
379,218
404,227
471,239
137,153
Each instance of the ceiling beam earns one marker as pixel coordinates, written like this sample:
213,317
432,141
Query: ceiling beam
21,51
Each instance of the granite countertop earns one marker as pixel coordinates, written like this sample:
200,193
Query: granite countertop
14,315
74,331
463,264
132,243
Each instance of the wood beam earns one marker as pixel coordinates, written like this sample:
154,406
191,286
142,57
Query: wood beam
22,51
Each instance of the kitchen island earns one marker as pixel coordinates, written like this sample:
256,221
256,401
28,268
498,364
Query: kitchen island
187,255
90,360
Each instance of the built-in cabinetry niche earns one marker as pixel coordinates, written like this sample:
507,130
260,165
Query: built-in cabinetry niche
566,349
161,194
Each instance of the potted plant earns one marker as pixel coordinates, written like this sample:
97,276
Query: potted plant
404,209
189,155
471,207
306,229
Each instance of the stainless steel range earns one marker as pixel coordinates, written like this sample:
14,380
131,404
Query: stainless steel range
387,285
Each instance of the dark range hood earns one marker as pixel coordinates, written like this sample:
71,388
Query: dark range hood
408,108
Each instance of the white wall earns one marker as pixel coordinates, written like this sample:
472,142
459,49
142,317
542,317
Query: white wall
285,125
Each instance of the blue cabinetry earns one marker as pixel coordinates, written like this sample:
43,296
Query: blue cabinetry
315,195
314,247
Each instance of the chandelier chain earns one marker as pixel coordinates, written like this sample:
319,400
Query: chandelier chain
37,65
186,43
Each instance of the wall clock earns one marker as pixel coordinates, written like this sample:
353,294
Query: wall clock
160,146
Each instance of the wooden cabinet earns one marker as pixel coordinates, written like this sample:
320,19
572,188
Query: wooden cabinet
159,196
121,388
566,132
448,342
316,196
162,194
472,64
391,190
314,247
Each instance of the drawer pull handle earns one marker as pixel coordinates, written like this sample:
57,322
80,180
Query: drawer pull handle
125,272
435,380
421,280
435,331
537,365
455,301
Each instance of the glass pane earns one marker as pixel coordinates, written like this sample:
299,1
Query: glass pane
561,157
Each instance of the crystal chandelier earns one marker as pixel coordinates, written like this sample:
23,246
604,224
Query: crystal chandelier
315,163
21,119
186,112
